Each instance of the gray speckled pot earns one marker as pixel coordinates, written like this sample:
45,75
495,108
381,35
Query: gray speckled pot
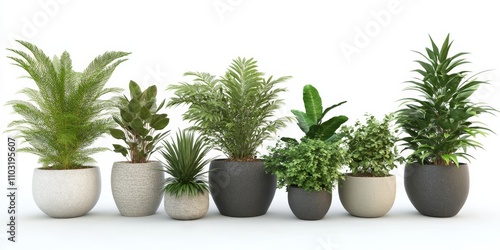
137,187
437,191
66,193
309,205
367,196
241,189
186,207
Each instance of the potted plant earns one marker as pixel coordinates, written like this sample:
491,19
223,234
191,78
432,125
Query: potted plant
308,169
440,126
234,113
311,121
186,190
369,190
61,119
137,183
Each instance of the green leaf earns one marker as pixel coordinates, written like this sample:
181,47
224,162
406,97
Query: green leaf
303,120
134,106
329,127
330,108
135,90
117,134
126,116
150,93
137,125
145,113
120,149
312,103
159,122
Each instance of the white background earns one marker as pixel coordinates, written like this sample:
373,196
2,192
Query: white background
305,39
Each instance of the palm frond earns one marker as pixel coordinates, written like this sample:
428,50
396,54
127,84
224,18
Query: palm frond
65,113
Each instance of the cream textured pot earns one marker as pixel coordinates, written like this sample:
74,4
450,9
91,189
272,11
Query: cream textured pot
66,193
186,207
137,187
368,196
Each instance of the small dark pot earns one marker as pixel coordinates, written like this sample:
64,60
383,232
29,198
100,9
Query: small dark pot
241,189
437,191
311,205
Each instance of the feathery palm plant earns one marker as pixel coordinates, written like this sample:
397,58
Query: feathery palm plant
233,112
65,114
439,124
184,162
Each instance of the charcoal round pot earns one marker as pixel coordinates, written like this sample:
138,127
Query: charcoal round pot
241,189
186,207
437,191
309,205
367,197
66,193
137,187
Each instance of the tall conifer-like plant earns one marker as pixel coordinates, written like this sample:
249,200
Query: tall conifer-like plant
233,112
66,112
439,124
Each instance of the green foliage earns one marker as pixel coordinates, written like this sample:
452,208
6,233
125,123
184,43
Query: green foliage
233,112
311,121
65,113
140,123
311,164
439,124
184,162
371,149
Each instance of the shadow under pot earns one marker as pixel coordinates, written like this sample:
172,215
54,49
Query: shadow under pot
137,187
309,205
66,193
437,191
241,189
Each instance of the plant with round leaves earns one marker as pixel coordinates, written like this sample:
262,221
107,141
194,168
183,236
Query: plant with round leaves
312,164
371,149
311,121
184,162
66,113
439,124
234,112
140,123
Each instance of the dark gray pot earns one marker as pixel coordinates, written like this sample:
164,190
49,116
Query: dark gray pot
241,189
437,191
309,205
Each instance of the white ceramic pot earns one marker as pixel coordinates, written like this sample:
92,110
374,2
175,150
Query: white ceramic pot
368,196
186,207
137,187
66,193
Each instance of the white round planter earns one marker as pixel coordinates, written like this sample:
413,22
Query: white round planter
137,187
368,196
66,193
186,207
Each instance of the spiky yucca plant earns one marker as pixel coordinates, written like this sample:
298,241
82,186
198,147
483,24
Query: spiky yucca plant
184,162
439,124
65,114
233,112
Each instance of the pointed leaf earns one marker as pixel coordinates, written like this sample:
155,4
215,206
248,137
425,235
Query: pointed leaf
312,103
117,134
329,127
330,108
135,90
303,120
